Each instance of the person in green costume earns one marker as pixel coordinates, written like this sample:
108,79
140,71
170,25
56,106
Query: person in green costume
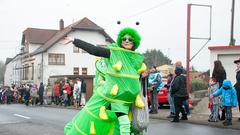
116,87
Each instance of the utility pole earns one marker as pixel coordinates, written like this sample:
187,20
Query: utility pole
232,40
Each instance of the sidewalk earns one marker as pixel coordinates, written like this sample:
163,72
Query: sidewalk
200,119
196,118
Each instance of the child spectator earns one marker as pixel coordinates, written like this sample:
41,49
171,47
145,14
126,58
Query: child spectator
214,103
229,100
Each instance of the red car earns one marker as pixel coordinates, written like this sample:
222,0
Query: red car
163,95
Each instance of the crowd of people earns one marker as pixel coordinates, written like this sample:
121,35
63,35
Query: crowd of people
177,91
64,93
223,95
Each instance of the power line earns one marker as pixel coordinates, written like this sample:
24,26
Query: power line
144,11
149,9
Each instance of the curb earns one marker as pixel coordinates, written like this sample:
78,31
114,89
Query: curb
199,120
235,126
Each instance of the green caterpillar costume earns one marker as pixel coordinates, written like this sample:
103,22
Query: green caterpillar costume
116,87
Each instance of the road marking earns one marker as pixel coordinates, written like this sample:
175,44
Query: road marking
18,115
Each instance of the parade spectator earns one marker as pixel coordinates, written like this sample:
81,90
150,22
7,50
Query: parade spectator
237,84
56,92
72,87
83,93
229,99
179,92
186,102
40,93
219,74
27,94
76,93
21,93
1,94
170,78
155,83
33,93
213,104
67,89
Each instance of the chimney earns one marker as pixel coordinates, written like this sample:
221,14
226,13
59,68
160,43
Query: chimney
61,24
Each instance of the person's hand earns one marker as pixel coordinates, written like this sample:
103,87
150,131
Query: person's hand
67,40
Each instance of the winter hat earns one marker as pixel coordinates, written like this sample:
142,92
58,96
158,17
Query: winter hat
178,70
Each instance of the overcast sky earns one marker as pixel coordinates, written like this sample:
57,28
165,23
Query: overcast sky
162,23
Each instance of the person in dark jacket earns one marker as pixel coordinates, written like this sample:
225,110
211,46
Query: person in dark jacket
219,74
179,92
27,95
40,93
83,93
237,84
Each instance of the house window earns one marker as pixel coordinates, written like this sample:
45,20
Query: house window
75,49
56,59
84,71
75,71
23,72
26,68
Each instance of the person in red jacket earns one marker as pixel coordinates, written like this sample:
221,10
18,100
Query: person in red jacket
67,89
56,92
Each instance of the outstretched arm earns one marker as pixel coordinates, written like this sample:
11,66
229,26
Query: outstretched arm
91,49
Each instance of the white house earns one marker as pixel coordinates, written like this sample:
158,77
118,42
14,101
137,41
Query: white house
42,54
8,72
226,54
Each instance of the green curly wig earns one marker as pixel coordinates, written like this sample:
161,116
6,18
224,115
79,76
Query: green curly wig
133,33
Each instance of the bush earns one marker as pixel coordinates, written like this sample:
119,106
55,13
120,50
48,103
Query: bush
198,84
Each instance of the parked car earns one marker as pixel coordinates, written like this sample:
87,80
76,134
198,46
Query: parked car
163,95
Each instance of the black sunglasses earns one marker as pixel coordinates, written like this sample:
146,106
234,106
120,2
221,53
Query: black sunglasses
125,39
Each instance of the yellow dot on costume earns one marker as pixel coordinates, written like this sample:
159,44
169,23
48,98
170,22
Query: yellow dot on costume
130,115
138,102
143,68
117,66
114,90
102,113
100,80
92,129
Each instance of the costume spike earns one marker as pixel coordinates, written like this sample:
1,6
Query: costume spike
143,68
92,129
102,113
114,90
117,66
138,102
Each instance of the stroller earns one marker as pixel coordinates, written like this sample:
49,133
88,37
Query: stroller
213,104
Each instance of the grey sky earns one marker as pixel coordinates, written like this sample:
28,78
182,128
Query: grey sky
162,22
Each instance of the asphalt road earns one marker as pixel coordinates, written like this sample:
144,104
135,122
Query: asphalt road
22,120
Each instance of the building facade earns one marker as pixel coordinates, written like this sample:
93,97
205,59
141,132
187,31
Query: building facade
42,54
226,54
